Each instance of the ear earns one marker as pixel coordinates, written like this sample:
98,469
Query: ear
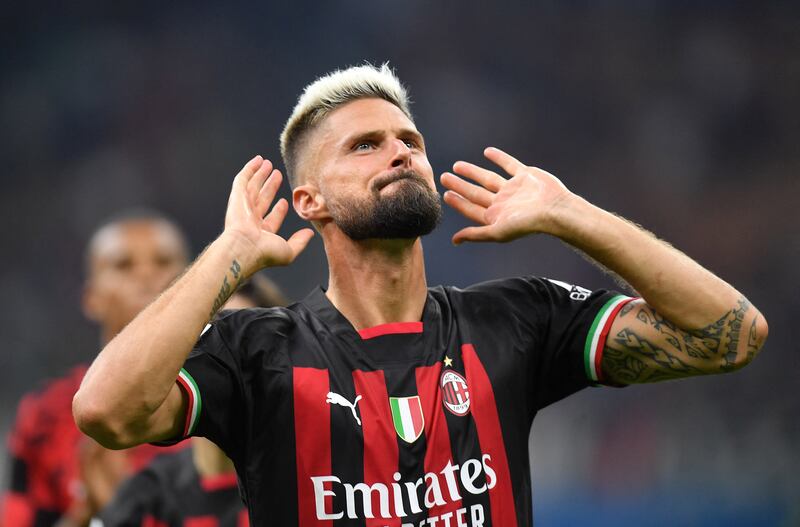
309,203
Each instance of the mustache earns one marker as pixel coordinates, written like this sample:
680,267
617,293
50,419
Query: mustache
380,183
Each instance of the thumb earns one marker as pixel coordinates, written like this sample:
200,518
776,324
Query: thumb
481,233
299,241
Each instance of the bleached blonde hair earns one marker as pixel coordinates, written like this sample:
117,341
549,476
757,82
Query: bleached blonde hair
331,91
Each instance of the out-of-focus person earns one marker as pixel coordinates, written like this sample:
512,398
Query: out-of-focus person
58,475
196,486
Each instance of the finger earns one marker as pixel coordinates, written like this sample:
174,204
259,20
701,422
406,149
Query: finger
267,193
505,161
473,193
259,177
486,178
274,219
468,209
474,234
299,241
247,172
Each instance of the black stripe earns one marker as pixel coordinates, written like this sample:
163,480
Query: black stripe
347,448
19,475
465,446
402,382
272,430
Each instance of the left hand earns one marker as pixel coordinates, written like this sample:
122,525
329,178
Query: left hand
504,209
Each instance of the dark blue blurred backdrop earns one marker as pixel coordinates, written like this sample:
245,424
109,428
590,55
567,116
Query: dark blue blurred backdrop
682,116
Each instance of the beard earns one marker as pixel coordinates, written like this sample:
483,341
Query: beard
411,211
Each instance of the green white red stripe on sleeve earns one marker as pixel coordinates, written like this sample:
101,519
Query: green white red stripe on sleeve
598,333
194,403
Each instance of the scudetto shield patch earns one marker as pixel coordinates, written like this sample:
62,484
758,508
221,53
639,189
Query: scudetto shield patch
407,416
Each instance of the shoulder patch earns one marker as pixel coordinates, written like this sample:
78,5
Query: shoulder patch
575,292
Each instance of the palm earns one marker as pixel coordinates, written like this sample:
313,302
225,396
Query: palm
250,219
504,209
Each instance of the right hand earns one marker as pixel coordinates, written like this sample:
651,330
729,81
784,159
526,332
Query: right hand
250,221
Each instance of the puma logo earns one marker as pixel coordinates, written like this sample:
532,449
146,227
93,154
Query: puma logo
335,398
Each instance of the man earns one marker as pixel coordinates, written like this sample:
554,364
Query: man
196,486
380,401
57,473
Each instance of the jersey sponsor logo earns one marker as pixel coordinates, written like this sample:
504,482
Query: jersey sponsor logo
407,417
575,292
381,500
455,393
335,398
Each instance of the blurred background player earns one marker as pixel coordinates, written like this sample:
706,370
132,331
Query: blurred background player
130,259
196,486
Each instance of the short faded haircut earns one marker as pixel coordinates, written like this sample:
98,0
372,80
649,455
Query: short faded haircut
331,91
128,216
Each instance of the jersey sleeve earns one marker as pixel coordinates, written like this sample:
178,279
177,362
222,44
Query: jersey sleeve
212,382
573,324
135,501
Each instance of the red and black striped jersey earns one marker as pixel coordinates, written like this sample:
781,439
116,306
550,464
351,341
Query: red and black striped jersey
407,424
43,444
171,493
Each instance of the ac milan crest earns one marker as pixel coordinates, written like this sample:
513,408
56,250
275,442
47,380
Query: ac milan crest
455,393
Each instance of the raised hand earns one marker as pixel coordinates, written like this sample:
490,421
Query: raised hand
250,220
504,209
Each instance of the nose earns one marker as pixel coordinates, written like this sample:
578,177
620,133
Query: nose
401,157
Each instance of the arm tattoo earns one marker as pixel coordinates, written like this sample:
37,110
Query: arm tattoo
752,342
226,290
650,348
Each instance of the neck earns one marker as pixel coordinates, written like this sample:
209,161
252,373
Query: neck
375,282
209,459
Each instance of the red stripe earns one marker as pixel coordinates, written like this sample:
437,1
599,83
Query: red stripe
312,427
392,328
150,521
17,510
381,455
189,407
601,341
244,519
218,482
437,438
201,521
490,437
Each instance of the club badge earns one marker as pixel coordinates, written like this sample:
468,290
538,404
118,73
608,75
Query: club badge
455,393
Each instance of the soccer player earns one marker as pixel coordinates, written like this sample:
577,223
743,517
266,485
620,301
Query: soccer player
58,474
379,401
196,486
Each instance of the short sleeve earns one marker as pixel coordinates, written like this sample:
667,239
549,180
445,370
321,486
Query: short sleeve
211,380
575,324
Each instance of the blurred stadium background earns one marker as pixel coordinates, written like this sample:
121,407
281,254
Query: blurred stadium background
682,116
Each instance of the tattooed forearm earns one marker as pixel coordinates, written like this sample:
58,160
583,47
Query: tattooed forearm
753,345
736,329
655,362
648,347
226,290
